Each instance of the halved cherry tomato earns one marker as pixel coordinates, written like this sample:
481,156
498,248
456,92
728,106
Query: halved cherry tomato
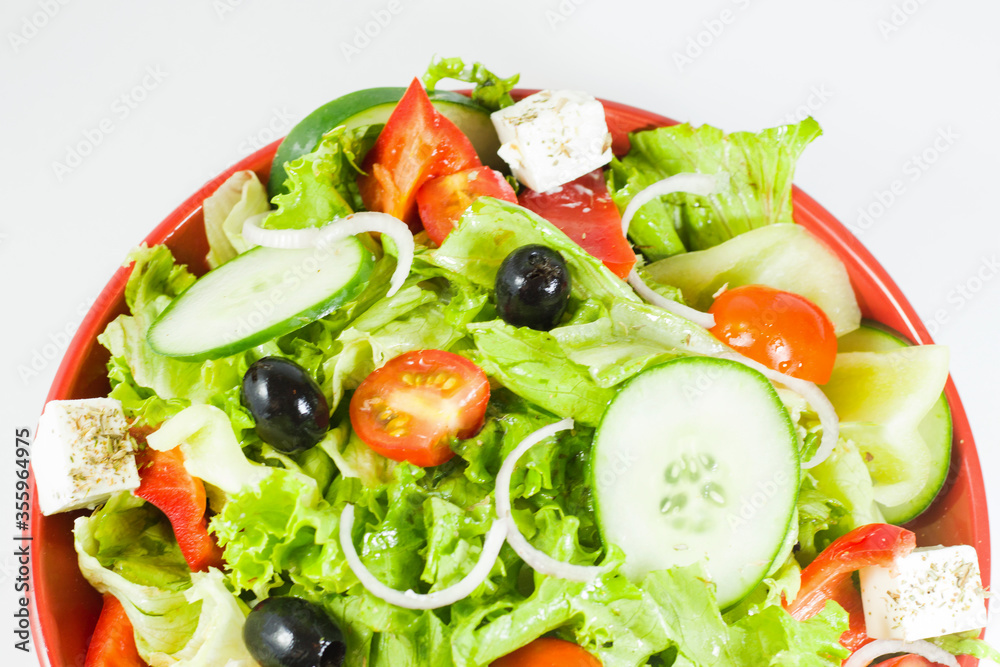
166,483
584,211
113,643
829,576
443,200
416,145
548,652
412,407
782,330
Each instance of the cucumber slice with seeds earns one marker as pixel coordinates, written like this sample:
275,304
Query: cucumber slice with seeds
697,459
262,294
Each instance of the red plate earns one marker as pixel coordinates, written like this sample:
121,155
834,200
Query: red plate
64,606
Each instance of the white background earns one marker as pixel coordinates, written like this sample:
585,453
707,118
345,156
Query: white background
886,79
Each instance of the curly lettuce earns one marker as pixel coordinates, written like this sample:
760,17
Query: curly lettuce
491,92
759,167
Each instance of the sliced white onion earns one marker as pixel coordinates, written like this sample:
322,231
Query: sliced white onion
336,230
538,560
286,239
409,599
814,396
690,183
696,184
704,320
382,223
864,655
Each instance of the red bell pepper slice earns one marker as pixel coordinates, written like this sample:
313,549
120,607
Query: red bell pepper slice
829,576
443,200
416,145
584,211
166,483
113,643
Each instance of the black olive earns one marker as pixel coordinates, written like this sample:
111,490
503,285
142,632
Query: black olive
532,287
292,632
287,404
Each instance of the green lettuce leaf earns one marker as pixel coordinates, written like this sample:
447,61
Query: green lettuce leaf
769,637
612,618
819,519
155,385
533,365
127,549
491,229
844,478
672,614
211,450
628,338
967,643
759,165
782,583
240,197
491,91
322,185
292,529
784,256
218,637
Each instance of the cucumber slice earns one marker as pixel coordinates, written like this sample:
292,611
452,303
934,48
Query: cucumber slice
784,256
935,428
262,294
374,105
881,399
697,459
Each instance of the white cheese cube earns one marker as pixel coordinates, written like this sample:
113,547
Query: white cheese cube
553,137
930,592
82,454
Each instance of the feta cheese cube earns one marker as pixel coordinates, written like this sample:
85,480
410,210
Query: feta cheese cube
553,137
930,592
82,454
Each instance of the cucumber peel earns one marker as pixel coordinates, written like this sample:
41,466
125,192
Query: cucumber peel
262,294
935,429
374,106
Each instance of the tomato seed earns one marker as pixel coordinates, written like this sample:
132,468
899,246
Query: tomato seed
398,423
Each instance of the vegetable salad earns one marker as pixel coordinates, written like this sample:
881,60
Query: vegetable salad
421,413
